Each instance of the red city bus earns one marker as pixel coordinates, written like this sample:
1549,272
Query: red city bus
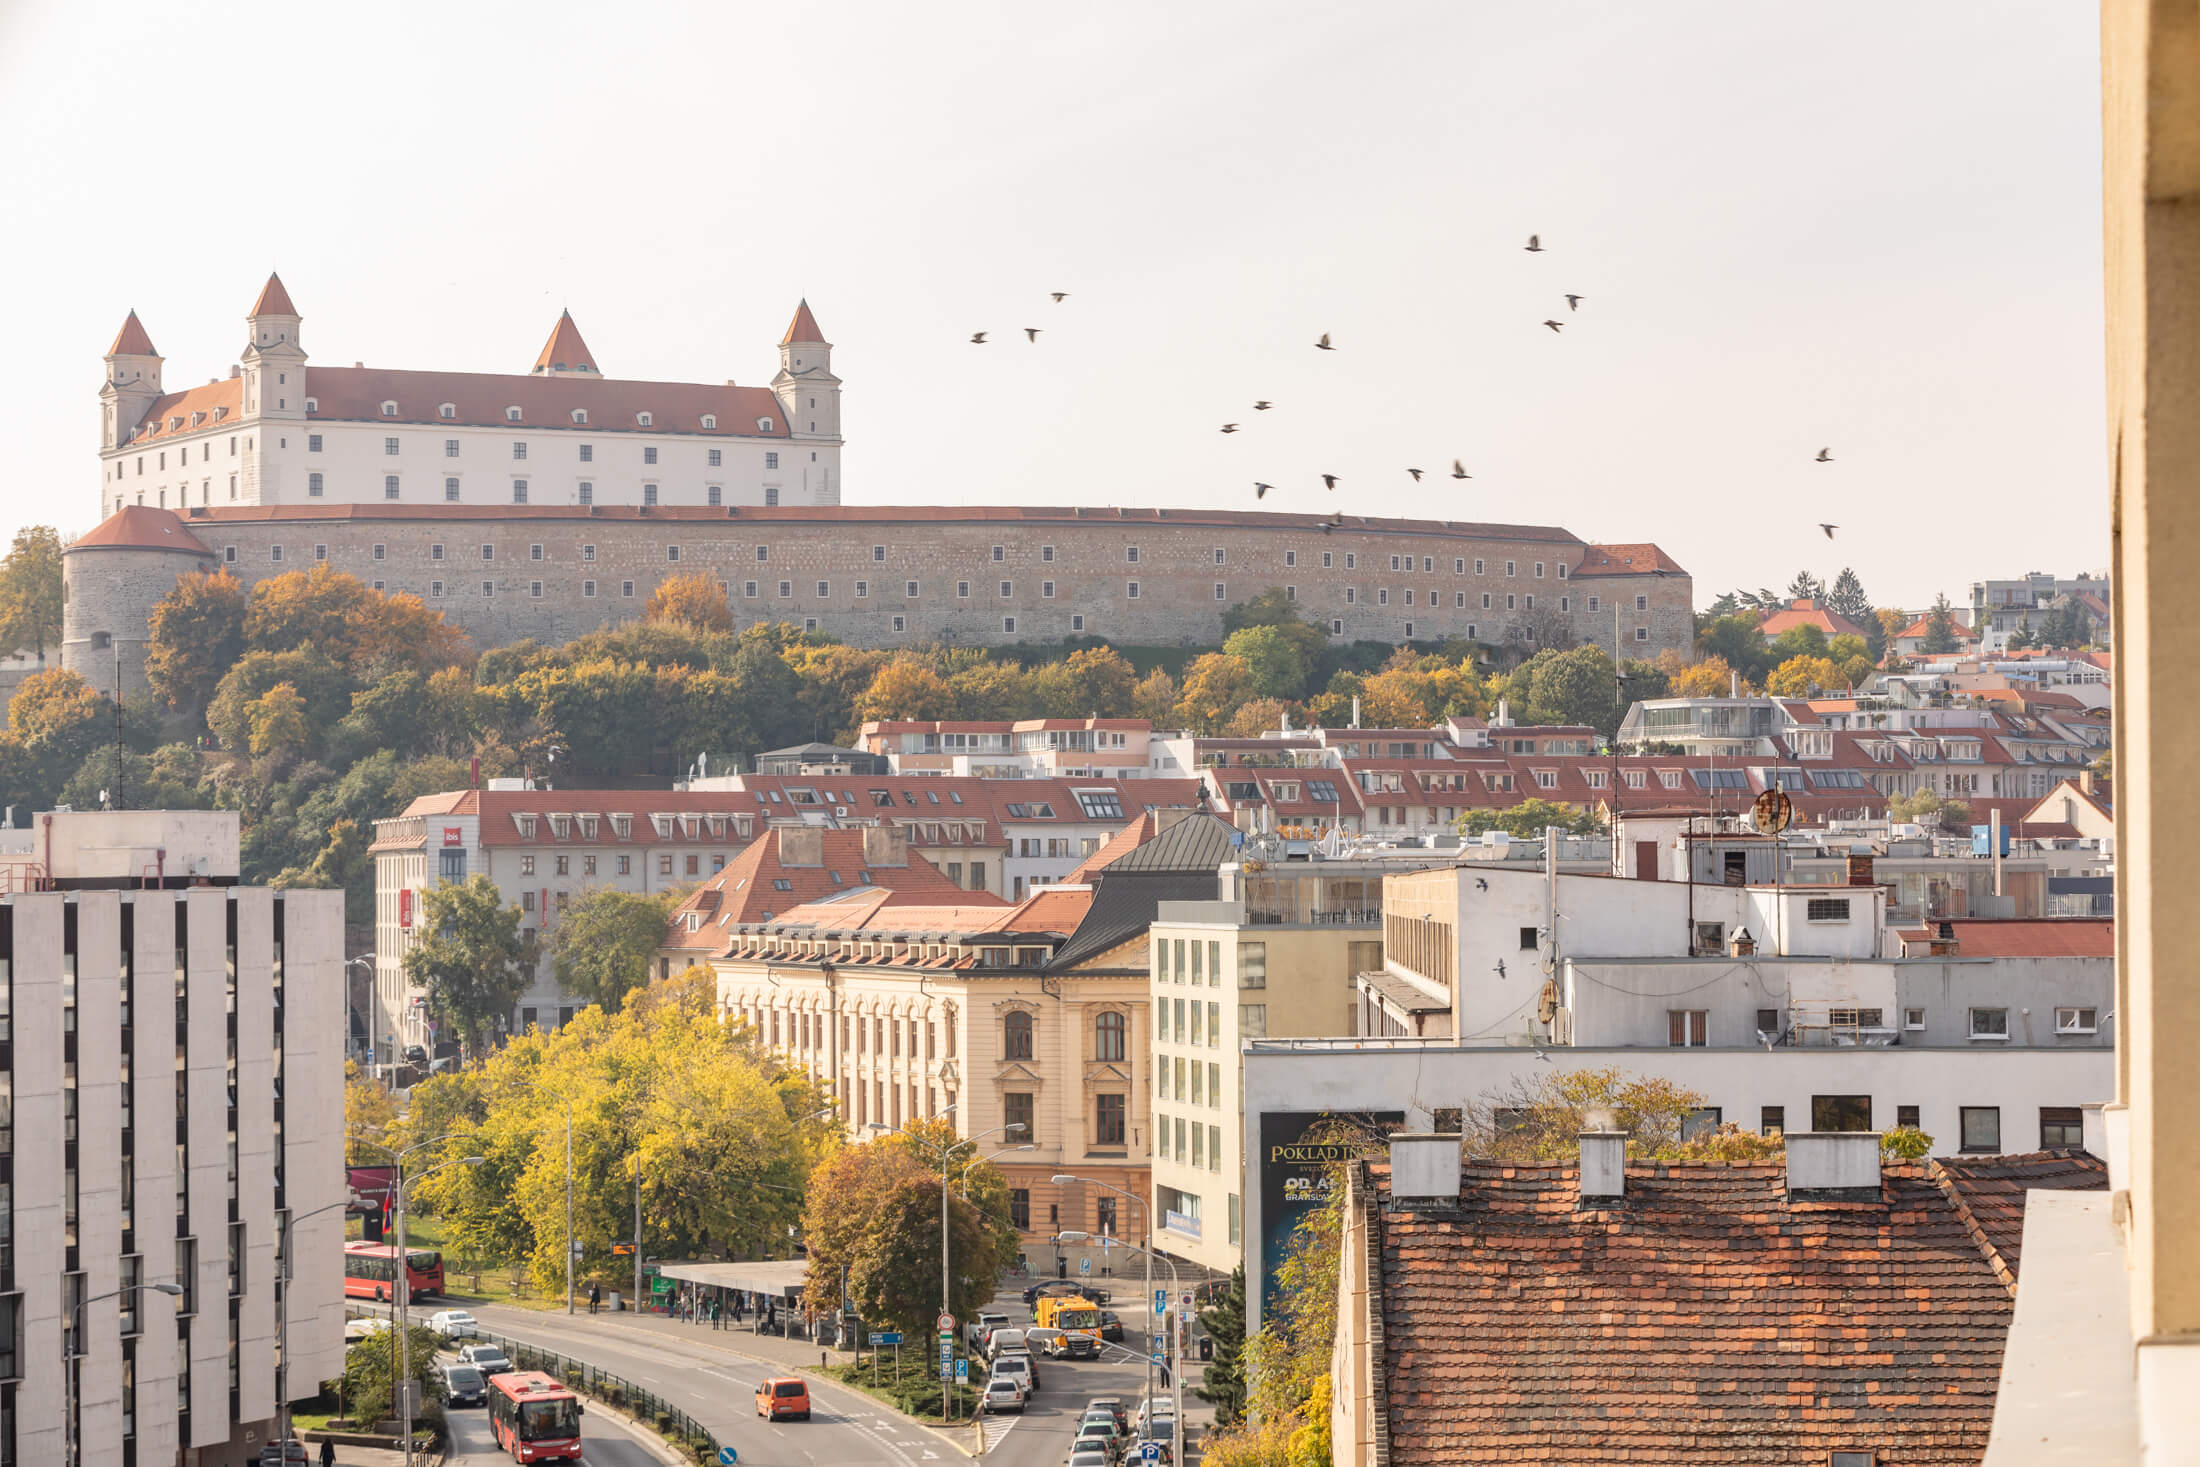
370,1271
535,1418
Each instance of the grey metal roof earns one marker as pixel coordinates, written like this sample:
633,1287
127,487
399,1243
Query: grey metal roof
1198,842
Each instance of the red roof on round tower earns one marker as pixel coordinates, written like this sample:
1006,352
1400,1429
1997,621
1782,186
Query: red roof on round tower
141,527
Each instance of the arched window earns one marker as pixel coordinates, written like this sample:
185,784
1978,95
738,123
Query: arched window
1016,1037
1107,1037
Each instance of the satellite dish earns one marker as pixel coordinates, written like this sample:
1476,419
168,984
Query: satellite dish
1546,1003
1772,811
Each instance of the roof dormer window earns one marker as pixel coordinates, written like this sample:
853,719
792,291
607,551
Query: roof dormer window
710,420
511,415
197,418
447,411
580,415
175,422
389,409
644,419
763,425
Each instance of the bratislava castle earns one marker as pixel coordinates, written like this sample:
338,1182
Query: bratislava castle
279,430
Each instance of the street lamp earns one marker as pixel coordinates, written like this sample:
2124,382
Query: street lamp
402,1279
69,1353
1145,1211
282,1316
1176,1376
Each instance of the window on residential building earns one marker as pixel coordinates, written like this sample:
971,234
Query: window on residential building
2061,1126
1252,1021
1989,1023
1687,1028
1109,1037
1017,1110
1841,1113
1772,1120
1109,1121
1016,1037
1252,965
2077,1021
1905,1116
1981,1127
1019,1206
1826,909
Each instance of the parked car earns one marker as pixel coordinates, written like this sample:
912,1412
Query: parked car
1018,1365
1111,1326
1002,1393
975,1332
1114,1406
465,1385
1100,1434
1163,1449
1154,1408
1088,1457
1035,1292
416,1054
783,1395
363,1329
454,1324
1105,1417
1006,1340
487,1359
284,1454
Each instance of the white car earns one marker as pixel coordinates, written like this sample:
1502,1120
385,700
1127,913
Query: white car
1017,1368
1003,1394
1152,1409
363,1329
454,1324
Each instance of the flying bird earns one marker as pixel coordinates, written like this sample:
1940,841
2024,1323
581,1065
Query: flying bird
1262,406
1573,302
1323,344
1416,475
1829,529
1500,967
1229,427
1329,481
1459,470
1481,883
1555,325
1031,333
978,339
1535,244
1825,456
1060,296
1260,490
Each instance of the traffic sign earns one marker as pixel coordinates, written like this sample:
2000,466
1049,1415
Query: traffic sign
962,1371
1084,1265
576,1247
727,1456
945,1324
886,1337
622,1250
1160,1300
1150,1453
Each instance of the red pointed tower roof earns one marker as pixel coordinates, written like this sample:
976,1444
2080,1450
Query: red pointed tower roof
565,351
274,300
803,327
131,340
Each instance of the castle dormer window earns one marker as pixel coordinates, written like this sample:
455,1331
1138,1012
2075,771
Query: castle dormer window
448,410
511,415
389,409
580,415
175,422
643,419
763,425
710,420
197,418
222,413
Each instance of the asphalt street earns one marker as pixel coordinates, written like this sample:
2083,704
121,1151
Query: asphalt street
604,1444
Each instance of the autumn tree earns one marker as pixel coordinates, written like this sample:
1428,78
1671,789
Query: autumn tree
1215,686
471,957
1711,678
1541,1117
602,944
30,592
1154,698
196,632
1803,676
55,720
906,688
1092,682
691,599
277,720
369,1112
1256,717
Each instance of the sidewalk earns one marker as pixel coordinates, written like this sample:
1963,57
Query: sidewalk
739,1339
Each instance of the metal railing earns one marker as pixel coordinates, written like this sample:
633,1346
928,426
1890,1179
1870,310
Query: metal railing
647,1407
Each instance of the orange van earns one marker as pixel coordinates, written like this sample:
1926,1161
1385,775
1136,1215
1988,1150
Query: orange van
783,1395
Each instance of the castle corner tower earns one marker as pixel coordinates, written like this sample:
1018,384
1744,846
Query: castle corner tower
809,394
132,384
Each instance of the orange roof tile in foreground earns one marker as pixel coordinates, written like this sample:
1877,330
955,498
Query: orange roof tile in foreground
565,351
2024,937
803,327
274,300
141,527
131,340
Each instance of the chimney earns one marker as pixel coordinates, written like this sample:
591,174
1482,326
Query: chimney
1944,943
1733,683
2085,776
1603,1165
1424,1165
885,845
1743,945
801,845
1842,1163
1860,866
1355,710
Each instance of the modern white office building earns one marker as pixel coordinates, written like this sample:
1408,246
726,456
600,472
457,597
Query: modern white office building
129,955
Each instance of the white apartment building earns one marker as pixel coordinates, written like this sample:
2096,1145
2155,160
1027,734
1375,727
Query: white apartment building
148,962
543,849
1031,748
277,430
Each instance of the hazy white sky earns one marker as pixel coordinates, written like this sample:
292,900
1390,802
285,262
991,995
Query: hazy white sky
1874,226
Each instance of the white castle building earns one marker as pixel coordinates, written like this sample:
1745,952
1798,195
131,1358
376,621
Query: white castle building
278,431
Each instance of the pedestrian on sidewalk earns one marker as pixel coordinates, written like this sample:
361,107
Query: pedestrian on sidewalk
328,1453
595,1296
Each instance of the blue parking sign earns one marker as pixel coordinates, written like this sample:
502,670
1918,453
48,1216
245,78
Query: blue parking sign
1150,1452
1160,1300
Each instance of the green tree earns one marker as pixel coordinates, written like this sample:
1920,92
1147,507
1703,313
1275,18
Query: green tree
1575,687
1271,608
1528,819
1092,682
30,592
1280,659
1736,641
470,957
1847,599
872,1217
1223,1382
1806,585
1940,627
601,946
1799,641
371,1366
196,633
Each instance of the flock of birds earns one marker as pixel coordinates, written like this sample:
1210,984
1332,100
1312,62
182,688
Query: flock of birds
1329,481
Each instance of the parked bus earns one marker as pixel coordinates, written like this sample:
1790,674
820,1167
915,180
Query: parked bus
370,1271
535,1418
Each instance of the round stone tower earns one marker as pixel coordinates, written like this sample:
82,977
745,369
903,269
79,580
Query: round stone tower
111,579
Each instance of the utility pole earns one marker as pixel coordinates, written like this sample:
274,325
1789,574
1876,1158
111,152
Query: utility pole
637,1229
569,1205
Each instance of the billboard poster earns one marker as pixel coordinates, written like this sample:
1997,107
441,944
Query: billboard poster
1294,1176
369,1187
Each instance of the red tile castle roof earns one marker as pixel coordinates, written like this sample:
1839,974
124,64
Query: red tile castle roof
140,527
1627,560
565,351
131,340
803,327
274,300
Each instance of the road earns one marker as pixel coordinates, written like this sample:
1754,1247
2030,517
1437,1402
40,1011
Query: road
604,1444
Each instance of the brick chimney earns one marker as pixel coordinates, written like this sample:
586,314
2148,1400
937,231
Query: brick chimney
1837,1162
885,845
1860,866
801,845
1424,1165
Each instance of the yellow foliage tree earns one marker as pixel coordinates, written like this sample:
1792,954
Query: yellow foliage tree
277,719
1711,678
691,599
368,1112
1215,687
1798,677
906,688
